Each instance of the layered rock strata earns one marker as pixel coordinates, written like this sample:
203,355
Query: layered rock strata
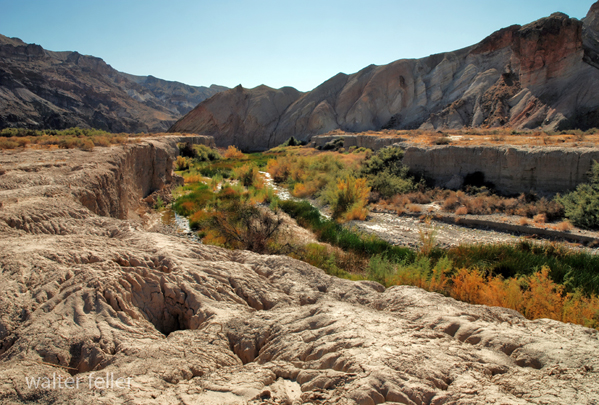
510,169
544,74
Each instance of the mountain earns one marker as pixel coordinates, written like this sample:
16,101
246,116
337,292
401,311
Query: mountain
243,117
544,74
41,89
177,97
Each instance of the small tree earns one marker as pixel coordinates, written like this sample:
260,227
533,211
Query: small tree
387,174
581,207
291,142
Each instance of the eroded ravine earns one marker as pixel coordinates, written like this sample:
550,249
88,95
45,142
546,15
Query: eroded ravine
83,295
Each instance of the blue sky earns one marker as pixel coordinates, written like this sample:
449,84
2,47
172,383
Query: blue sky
277,43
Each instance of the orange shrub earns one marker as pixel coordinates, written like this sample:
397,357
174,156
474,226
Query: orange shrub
356,212
467,286
214,238
302,190
543,299
461,211
233,153
540,219
350,196
581,310
450,203
564,226
194,178
413,208
6,143
279,169
400,200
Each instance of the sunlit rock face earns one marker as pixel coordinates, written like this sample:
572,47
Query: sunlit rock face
543,74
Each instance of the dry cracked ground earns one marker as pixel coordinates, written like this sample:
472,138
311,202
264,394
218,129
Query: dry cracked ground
88,295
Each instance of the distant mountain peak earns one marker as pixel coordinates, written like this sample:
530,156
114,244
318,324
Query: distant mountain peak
45,90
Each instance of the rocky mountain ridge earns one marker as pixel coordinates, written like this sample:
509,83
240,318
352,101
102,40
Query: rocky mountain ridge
544,74
41,89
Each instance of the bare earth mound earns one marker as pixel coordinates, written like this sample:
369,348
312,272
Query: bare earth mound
180,322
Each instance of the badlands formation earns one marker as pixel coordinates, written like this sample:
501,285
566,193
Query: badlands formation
87,293
544,74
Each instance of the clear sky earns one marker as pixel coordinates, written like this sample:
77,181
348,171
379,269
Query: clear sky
277,43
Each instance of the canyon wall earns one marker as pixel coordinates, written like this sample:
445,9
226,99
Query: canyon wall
111,184
511,169
543,74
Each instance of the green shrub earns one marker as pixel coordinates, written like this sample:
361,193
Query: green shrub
181,164
209,171
581,206
380,269
387,159
334,145
246,226
205,154
574,269
186,150
388,185
386,173
291,142
347,239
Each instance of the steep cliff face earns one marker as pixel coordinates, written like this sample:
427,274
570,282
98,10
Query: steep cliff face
512,170
541,74
112,185
41,89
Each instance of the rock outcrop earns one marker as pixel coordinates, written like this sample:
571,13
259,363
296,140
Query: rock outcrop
40,89
511,169
86,296
544,74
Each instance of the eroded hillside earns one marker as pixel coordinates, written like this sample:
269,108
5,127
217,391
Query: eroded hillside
543,74
41,89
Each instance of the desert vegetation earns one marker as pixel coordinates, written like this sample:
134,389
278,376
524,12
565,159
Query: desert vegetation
79,138
490,136
229,203
582,205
